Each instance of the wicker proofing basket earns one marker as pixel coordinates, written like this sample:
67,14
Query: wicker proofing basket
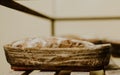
84,59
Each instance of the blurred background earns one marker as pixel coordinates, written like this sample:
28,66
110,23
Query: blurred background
15,25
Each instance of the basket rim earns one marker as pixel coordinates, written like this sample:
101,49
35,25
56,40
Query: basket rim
95,47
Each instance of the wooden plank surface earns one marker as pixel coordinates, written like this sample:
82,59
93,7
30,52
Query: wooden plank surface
112,64
112,72
63,72
11,72
27,72
80,73
98,72
38,72
114,67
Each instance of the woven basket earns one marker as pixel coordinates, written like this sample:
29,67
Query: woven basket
84,59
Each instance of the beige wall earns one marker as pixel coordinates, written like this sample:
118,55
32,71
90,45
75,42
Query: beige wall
87,8
15,25
43,6
98,28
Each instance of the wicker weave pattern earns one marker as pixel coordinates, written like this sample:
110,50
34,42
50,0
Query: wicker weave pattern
81,57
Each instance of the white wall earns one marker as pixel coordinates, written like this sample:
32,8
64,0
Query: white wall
98,28
87,8
15,25
43,6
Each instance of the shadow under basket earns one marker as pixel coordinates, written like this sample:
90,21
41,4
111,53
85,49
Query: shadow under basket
53,59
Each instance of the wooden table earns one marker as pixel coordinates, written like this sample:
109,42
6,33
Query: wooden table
112,69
